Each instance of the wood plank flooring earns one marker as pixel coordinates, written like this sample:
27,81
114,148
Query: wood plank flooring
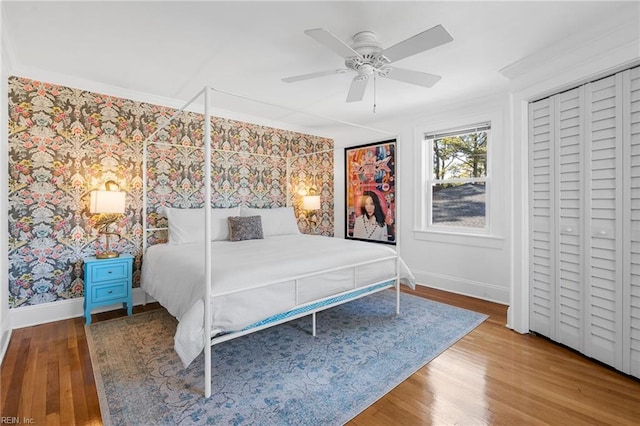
493,376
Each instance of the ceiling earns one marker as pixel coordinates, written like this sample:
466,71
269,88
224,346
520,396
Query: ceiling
174,49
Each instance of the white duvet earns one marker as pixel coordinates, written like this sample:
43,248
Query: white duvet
173,274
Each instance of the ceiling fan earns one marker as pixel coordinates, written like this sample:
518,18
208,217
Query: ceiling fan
367,58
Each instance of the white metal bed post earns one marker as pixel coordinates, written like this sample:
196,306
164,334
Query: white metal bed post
288,201
144,206
144,198
397,231
207,244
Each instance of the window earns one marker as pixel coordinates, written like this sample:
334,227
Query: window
456,179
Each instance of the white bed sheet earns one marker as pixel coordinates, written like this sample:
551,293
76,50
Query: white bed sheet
174,274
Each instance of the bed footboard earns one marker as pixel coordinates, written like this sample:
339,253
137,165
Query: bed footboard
309,308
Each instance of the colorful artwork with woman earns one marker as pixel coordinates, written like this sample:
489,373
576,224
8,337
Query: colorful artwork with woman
371,192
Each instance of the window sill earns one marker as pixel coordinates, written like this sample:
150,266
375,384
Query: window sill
460,238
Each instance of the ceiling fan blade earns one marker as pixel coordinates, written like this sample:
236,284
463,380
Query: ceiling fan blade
356,91
309,76
414,77
425,40
332,42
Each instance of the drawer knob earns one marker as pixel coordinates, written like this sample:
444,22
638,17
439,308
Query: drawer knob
110,291
109,271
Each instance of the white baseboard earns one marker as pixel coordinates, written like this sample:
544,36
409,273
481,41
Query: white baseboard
48,312
479,290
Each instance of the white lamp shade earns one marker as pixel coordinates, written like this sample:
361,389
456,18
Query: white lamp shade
107,202
311,202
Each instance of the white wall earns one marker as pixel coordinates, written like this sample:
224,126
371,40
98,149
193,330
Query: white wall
5,320
466,263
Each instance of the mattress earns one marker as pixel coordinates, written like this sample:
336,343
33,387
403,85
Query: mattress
256,279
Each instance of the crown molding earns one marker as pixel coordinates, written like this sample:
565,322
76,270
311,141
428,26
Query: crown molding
618,38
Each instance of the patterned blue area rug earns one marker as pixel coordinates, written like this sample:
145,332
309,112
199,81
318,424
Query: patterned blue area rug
278,376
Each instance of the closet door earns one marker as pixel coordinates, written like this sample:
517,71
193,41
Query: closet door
631,337
542,263
557,293
585,219
604,304
570,201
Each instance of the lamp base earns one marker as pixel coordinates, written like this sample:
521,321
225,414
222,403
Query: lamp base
107,255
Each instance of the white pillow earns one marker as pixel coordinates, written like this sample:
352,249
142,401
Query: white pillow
219,225
276,221
187,225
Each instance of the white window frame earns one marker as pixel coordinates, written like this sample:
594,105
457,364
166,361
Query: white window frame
493,235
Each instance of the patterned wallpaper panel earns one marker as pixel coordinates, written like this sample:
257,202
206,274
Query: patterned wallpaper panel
65,142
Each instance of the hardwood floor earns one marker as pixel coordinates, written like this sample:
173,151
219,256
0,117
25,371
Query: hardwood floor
491,376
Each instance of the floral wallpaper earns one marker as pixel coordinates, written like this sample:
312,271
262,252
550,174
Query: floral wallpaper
65,142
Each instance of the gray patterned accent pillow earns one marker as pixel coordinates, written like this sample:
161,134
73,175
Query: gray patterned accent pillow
245,228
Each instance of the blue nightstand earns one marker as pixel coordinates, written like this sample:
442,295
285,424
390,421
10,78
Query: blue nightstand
106,282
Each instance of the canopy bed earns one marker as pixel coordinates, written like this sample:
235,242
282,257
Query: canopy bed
227,272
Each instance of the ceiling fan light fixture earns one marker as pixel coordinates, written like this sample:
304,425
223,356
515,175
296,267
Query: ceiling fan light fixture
366,57
365,70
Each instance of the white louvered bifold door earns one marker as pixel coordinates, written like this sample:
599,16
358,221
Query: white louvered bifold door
584,193
541,190
557,222
604,197
570,202
631,132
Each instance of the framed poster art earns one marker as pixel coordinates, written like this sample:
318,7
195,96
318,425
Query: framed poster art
370,191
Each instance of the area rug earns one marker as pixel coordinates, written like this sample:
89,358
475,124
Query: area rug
278,376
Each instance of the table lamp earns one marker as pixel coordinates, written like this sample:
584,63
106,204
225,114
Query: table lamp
109,205
311,202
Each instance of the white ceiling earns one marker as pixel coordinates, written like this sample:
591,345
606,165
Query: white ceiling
174,49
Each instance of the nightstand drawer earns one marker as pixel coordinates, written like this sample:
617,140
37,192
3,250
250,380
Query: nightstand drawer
109,271
106,292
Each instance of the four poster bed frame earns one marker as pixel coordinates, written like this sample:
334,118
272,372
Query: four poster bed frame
300,310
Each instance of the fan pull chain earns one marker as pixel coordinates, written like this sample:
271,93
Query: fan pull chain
374,92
